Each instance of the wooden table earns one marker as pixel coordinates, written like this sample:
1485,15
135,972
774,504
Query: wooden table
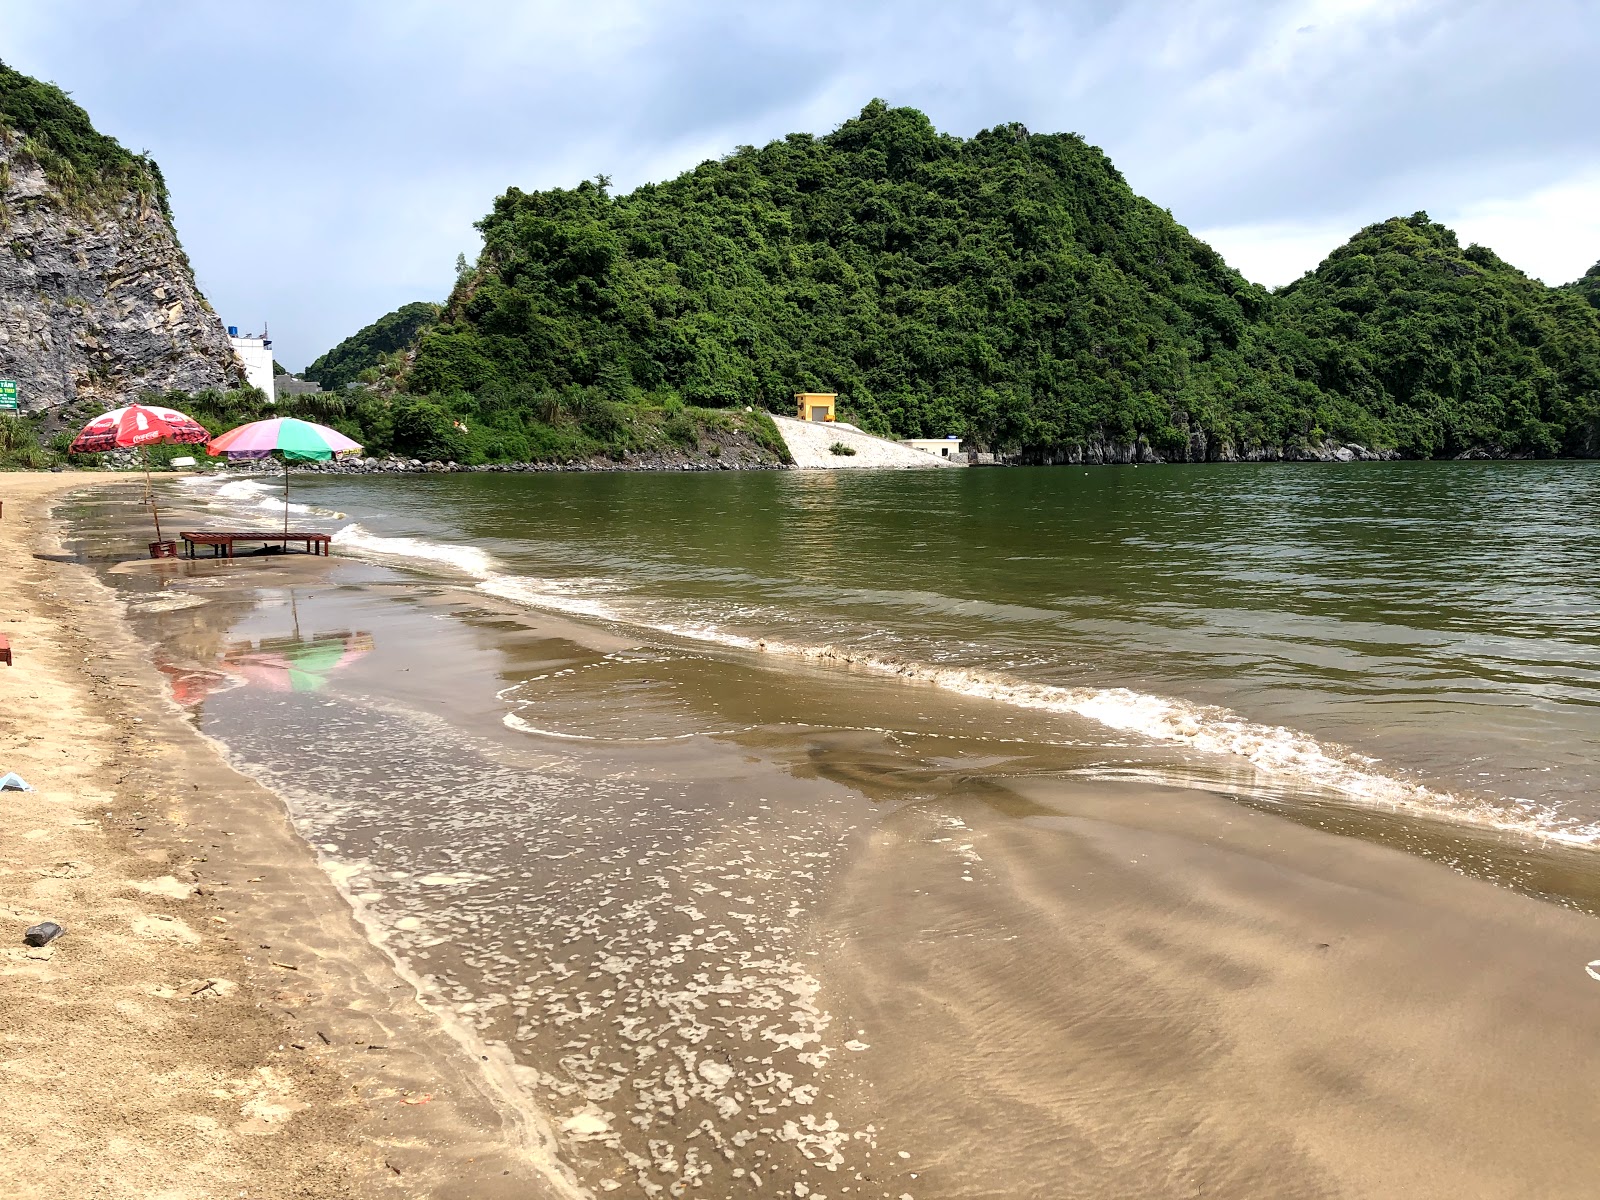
222,541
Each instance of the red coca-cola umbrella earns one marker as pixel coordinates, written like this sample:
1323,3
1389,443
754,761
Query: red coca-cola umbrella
139,425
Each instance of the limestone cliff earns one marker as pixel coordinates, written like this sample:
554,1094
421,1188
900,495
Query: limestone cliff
98,303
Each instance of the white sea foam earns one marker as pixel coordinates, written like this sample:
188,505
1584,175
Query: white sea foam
1274,750
513,721
469,560
276,504
250,496
247,490
578,597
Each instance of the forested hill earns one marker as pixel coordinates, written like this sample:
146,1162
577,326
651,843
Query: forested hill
1011,288
369,346
1443,349
1589,286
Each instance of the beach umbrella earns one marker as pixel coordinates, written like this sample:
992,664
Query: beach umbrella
139,425
293,439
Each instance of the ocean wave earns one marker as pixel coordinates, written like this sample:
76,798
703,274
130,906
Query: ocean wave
576,597
248,496
1276,751
469,560
512,721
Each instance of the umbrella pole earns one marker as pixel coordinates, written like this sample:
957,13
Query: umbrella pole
286,504
150,491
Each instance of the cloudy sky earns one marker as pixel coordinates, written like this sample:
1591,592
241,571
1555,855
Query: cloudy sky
327,158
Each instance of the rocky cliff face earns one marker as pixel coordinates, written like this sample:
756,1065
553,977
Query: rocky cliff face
97,300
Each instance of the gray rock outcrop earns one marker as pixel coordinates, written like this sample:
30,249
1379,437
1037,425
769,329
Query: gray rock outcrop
98,305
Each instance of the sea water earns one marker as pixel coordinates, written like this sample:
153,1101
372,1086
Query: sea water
597,754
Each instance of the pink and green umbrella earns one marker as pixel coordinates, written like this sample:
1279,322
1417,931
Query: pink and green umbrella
303,441
294,439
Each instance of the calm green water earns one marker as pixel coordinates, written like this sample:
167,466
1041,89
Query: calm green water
1356,631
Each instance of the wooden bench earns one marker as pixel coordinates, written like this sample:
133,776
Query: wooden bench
222,541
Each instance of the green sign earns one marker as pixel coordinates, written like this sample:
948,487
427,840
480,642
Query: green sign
8,395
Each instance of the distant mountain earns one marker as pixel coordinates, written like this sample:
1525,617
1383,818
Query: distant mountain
368,347
1589,286
1010,288
98,304
1439,350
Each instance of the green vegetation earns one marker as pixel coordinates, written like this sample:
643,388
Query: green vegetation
1434,350
21,447
1011,289
369,348
39,122
557,426
1589,286
495,427
841,448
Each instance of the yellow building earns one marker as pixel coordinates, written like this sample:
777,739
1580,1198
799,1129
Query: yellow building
814,406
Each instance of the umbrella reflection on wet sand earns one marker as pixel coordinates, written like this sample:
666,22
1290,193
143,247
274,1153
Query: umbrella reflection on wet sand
279,664
289,664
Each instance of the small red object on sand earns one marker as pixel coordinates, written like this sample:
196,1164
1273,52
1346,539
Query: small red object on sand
5,649
415,1098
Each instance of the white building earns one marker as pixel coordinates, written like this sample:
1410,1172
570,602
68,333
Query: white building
255,352
945,447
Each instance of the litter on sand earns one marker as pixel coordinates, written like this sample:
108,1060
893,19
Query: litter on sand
42,934
11,781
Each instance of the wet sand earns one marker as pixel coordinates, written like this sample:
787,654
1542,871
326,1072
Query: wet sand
745,927
213,1022
1171,995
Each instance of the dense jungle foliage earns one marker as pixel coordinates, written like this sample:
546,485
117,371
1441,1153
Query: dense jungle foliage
38,121
366,349
1443,349
1589,286
517,426
1009,288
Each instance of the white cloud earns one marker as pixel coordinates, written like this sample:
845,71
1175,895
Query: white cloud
1277,253
1553,234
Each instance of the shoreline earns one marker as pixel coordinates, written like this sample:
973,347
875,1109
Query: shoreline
1092,456
1136,987
215,1014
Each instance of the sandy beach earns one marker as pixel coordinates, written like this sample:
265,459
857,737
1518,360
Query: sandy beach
657,930
213,1022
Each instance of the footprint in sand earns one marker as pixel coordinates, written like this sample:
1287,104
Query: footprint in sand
68,869
167,885
165,929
